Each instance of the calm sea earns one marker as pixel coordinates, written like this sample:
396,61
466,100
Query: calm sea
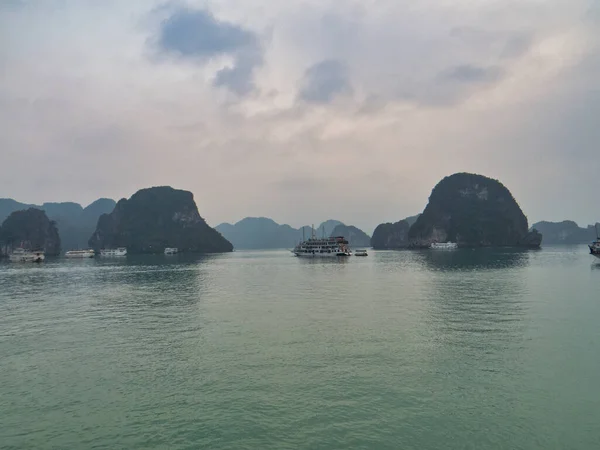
467,349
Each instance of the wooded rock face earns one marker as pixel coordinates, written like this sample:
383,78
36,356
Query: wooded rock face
388,236
75,224
474,211
566,232
156,218
356,237
31,229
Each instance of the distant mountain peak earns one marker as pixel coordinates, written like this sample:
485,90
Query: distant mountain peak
264,232
75,224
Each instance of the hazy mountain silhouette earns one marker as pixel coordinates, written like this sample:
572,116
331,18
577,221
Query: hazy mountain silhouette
565,232
264,233
75,224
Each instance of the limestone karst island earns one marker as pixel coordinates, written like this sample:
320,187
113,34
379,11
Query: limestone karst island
469,210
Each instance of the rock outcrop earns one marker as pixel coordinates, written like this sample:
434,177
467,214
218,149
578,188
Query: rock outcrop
156,218
356,237
75,224
391,236
474,211
412,219
30,229
565,232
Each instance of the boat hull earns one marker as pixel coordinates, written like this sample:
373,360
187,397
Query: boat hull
443,246
80,255
321,255
113,253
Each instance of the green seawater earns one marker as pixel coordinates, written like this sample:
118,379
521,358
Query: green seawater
466,349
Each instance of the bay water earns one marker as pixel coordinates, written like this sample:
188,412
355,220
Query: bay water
466,349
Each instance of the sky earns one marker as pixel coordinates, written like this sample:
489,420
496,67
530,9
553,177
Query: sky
302,110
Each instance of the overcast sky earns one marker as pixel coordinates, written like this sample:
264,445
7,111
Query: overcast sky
302,110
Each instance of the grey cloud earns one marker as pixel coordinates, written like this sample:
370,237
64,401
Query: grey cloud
504,44
299,184
325,80
450,86
467,73
516,46
198,35
12,4
239,77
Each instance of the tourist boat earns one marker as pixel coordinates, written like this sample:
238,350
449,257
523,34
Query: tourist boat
443,245
22,255
360,253
595,246
322,248
121,251
80,254
171,250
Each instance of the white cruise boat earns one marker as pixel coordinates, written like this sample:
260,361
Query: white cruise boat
331,247
22,255
80,254
360,253
121,251
444,245
171,250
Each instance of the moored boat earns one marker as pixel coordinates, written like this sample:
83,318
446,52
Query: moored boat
109,252
22,255
443,245
80,253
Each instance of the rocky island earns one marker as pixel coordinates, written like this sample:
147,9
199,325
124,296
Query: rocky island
391,236
31,229
356,237
566,232
473,211
75,224
156,218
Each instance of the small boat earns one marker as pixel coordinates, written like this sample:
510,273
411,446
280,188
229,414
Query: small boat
171,250
22,255
360,253
80,254
110,252
443,245
595,246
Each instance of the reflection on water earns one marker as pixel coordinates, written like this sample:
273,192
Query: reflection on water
318,261
474,259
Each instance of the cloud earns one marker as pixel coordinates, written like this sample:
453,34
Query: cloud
12,4
325,80
197,35
507,89
239,77
467,73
